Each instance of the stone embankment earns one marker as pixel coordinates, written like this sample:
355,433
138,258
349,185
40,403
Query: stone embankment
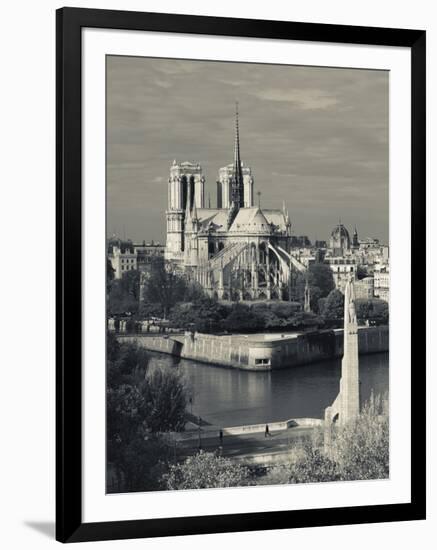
275,351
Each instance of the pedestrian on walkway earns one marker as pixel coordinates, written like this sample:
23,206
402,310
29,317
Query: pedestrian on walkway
221,438
267,432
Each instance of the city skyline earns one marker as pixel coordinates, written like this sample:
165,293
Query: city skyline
334,122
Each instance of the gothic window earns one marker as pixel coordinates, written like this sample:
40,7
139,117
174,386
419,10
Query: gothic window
191,192
184,192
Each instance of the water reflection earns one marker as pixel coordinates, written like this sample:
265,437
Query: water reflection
229,397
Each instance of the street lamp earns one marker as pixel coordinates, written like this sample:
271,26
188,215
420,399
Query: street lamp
200,441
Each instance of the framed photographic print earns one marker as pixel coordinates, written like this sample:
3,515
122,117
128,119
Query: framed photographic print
240,248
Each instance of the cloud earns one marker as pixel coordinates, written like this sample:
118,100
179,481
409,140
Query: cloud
315,137
163,83
305,99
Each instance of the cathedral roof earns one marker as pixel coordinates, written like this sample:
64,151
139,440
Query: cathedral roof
216,218
248,220
277,218
251,220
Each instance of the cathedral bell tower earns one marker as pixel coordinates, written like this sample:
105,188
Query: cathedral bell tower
186,189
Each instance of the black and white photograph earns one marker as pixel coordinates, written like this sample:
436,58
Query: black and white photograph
247,274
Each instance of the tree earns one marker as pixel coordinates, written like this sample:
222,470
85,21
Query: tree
124,293
163,286
374,310
124,405
242,319
314,467
361,448
140,463
126,363
320,281
164,401
140,405
333,308
284,316
320,276
110,274
362,272
205,470
204,315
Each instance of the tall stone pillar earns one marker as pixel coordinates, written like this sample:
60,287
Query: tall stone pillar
346,406
349,383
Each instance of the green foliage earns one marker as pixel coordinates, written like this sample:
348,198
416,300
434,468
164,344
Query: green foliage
126,363
165,400
320,277
112,346
204,315
362,272
195,293
209,316
140,404
359,451
333,307
284,316
124,294
315,467
206,470
148,310
374,310
124,405
163,287
110,274
140,462
361,448
320,282
276,310
243,319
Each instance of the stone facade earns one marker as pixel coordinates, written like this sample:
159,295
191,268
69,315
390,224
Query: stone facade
127,256
364,289
236,250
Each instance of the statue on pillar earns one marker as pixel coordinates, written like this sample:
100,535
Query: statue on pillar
346,406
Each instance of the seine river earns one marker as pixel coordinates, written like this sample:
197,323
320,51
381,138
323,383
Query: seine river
229,397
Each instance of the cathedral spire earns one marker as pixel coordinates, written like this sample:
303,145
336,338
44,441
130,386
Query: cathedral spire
237,187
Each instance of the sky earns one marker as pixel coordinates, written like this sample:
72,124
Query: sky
314,137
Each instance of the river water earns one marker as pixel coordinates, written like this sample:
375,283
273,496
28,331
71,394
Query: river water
230,397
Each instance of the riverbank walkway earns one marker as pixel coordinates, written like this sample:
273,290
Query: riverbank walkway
251,447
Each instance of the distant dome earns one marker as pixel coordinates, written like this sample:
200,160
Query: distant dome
340,237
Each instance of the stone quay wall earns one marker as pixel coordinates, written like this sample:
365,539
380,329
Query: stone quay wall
163,344
299,349
229,351
262,355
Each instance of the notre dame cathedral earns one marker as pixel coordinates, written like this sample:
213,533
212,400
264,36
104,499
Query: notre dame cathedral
236,250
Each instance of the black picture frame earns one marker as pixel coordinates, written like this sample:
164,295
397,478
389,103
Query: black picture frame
69,525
